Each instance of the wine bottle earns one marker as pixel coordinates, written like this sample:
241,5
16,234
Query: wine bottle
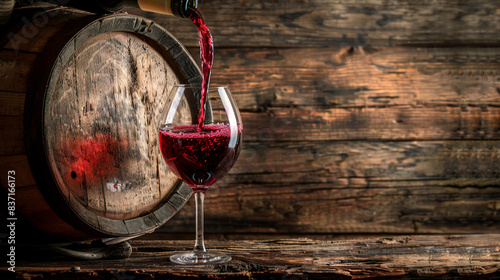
170,7
178,8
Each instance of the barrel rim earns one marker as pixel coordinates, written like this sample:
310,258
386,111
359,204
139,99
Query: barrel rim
53,58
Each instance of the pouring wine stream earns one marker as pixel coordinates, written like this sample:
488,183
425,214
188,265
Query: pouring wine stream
207,59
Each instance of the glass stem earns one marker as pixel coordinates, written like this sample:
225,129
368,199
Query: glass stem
199,245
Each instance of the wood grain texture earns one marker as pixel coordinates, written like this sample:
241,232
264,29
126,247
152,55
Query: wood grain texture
391,134
355,186
12,103
20,164
14,70
358,77
387,123
43,216
356,139
389,257
352,205
337,23
364,93
11,128
101,126
366,161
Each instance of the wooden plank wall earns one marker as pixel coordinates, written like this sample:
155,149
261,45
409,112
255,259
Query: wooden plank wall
363,116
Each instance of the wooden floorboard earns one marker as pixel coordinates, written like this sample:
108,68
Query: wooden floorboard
389,257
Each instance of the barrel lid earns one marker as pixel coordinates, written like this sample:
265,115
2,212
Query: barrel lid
107,85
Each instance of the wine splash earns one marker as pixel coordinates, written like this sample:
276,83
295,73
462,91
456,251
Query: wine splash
207,59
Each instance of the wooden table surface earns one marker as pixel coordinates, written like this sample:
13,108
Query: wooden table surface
394,257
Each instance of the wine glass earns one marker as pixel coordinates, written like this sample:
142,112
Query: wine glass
200,149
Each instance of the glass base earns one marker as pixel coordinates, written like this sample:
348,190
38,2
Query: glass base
200,258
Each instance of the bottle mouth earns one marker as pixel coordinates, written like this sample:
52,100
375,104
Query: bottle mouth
182,8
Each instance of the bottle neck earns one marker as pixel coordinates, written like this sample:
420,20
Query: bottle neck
156,6
178,8
182,8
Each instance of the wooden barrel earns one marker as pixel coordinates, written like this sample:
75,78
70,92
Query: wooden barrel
80,96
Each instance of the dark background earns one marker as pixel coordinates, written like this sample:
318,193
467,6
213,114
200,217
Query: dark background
360,117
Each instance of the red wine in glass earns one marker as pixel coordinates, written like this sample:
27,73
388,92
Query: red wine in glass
199,158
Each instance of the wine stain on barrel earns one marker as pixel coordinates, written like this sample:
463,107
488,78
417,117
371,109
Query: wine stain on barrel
94,157
89,161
